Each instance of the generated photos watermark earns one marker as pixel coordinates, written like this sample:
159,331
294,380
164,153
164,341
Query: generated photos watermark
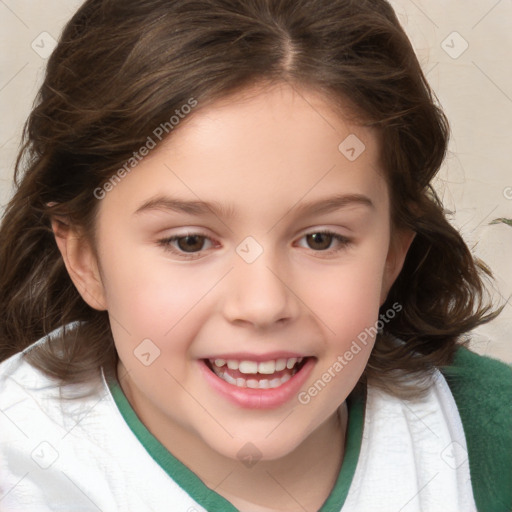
305,397
158,134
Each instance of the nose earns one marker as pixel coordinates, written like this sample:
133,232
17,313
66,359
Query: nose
260,294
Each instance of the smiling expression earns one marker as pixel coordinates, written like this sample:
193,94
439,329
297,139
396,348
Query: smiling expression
248,251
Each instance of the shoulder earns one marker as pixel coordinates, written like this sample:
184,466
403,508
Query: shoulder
480,366
19,381
27,393
29,399
481,386
35,405
50,436
482,390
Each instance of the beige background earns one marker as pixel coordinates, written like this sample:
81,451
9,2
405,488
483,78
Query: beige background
463,46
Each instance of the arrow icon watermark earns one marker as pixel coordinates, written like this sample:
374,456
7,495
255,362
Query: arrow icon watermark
147,352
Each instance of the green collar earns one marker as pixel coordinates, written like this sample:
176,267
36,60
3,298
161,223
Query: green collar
214,502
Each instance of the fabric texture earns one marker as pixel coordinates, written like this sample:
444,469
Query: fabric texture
482,388
413,457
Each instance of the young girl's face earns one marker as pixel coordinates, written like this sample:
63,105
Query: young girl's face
252,182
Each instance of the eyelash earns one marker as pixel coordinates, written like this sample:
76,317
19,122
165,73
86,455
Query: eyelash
166,243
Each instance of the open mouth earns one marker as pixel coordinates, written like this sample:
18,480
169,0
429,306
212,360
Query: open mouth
256,375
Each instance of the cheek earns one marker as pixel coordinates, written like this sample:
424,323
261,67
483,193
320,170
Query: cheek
347,298
348,309
150,296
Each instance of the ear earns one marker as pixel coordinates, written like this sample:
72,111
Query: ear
399,245
81,263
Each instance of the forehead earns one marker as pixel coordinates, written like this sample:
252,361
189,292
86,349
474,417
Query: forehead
276,116
263,147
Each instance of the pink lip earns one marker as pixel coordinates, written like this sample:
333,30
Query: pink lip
246,356
258,398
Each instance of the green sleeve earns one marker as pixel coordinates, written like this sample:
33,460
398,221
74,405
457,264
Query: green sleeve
482,389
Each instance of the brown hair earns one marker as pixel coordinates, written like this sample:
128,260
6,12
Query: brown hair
123,66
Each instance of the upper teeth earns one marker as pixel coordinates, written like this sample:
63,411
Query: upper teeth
265,367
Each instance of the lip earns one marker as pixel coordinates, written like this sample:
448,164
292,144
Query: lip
248,398
246,356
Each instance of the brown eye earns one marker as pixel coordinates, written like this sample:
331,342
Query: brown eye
326,242
319,241
190,243
188,246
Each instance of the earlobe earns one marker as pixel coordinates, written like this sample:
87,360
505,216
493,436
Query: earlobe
81,263
398,248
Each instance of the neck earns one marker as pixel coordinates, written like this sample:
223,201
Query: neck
301,480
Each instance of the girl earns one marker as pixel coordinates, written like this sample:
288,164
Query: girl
245,293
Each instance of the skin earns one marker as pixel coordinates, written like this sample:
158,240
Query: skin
265,152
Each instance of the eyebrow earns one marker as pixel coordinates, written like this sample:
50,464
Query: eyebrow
333,203
190,207
199,208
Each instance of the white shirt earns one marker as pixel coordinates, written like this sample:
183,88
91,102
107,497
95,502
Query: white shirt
63,454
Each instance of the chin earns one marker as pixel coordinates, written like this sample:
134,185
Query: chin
265,447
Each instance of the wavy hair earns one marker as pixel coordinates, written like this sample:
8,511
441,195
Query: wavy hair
122,66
